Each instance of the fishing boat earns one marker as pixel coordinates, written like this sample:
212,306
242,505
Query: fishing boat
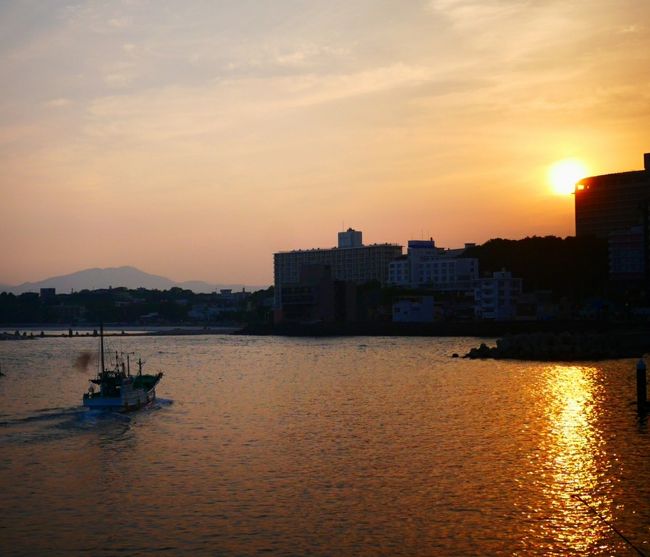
117,389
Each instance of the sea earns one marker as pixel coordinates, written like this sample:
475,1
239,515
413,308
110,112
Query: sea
326,447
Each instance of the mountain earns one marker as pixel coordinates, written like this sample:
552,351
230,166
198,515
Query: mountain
129,277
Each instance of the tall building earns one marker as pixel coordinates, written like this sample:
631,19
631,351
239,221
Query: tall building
610,206
612,202
351,262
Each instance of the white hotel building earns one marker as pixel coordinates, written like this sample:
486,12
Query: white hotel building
350,261
426,266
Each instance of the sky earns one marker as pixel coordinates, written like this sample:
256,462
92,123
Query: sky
193,139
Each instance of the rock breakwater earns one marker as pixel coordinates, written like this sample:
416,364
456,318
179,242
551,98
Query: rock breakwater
565,346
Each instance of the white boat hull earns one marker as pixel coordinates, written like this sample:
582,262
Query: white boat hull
131,400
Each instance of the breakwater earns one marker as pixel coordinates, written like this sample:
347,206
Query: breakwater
566,346
486,329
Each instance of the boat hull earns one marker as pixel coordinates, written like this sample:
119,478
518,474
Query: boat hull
130,401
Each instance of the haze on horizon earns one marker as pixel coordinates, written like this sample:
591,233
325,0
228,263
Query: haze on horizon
193,139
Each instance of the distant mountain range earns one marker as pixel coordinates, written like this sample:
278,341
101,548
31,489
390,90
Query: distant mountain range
129,277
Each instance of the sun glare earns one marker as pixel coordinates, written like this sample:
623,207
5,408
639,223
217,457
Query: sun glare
564,174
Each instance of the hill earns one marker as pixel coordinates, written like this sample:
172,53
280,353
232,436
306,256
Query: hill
127,276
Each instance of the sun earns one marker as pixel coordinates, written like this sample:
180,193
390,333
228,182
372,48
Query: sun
564,174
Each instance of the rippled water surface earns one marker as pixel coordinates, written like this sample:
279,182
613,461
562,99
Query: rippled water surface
356,446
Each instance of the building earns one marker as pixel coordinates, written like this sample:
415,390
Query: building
608,206
318,298
612,202
414,309
496,297
350,239
350,261
625,251
427,266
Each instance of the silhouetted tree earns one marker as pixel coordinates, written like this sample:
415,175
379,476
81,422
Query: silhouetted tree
571,267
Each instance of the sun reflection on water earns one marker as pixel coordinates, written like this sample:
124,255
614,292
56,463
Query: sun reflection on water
575,462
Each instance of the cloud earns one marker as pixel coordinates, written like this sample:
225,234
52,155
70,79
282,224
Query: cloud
117,79
315,89
163,114
57,103
120,74
280,107
119,22
306,55
468,14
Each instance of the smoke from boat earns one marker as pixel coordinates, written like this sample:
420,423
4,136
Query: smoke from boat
84,360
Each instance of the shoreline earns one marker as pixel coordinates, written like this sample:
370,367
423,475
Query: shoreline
35,332
524,341
477,329
517,340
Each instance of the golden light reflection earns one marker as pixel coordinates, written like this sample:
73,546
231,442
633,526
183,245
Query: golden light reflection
573,454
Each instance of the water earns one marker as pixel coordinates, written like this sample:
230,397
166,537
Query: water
349,446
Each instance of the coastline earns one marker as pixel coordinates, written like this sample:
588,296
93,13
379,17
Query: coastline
32,332
478,329
515,340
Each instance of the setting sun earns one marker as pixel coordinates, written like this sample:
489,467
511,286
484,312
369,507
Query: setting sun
564,174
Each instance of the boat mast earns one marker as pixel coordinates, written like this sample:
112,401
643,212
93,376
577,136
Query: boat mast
101,343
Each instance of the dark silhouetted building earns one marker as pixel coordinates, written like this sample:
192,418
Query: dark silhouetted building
615,207
317,297
612,202
350,262
625,249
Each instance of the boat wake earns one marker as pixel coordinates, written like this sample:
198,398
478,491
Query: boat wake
51,424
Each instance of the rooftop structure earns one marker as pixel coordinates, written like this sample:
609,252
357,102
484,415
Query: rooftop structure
350,239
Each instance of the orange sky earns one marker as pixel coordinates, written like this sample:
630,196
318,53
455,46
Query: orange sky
194,139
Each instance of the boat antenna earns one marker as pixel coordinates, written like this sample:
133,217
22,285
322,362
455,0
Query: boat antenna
605,521
101,343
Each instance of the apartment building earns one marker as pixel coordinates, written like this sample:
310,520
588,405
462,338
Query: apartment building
427,266
351,261
496,297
